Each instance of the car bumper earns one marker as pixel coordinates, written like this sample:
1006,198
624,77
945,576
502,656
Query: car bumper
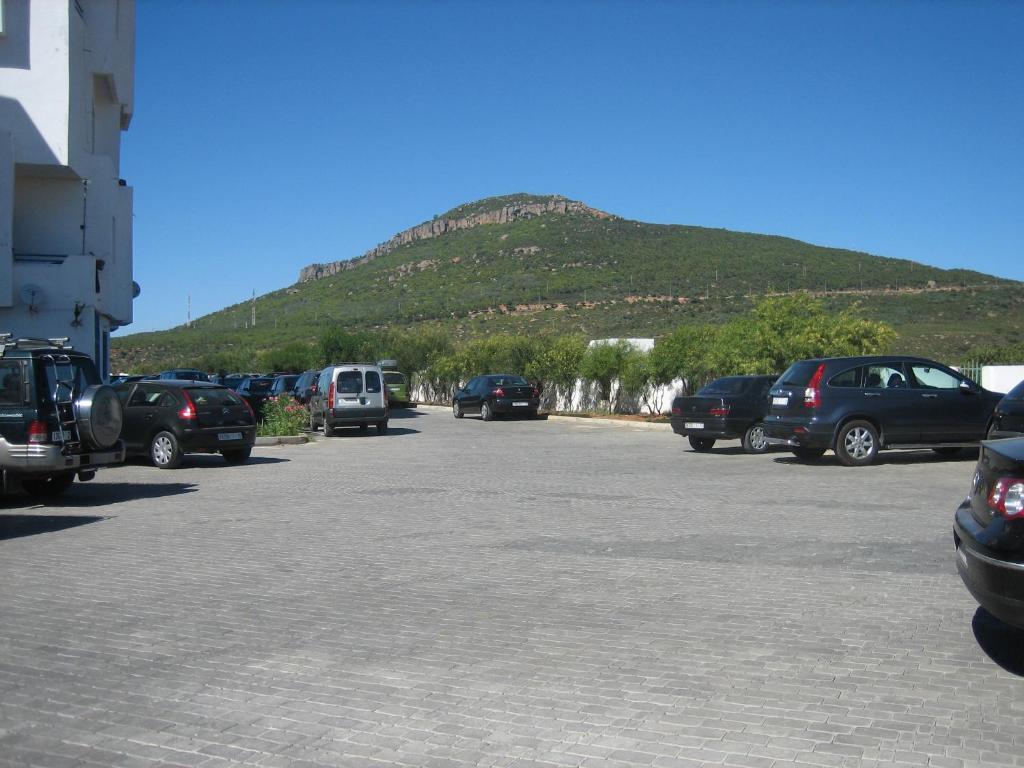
714,428
997,584
515,405
356,415
48,459
803,434
209,440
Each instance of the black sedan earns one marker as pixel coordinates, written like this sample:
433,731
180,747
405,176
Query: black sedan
496,393
1008,417
988,531
727,408
167,419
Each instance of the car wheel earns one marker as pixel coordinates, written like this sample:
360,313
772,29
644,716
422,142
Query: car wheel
485,411
457,409
48,487
808,454
754,440
312,421
236,455
857,444
164,451
382,427
701,444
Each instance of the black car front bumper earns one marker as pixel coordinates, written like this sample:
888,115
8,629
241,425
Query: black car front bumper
995,581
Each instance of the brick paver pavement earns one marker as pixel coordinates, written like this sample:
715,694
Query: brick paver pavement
456,593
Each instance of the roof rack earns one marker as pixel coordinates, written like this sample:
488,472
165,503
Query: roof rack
8,340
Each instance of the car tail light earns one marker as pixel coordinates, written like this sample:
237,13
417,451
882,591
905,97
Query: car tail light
188,412
251,411
330,394
536,392
37,432
812,395
499,392
720,410
1007,497
677,411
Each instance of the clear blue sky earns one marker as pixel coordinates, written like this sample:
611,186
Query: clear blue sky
269,135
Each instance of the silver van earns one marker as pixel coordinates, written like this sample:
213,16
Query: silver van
349,395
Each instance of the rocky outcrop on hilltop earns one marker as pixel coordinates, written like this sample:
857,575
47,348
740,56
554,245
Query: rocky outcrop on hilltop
506,214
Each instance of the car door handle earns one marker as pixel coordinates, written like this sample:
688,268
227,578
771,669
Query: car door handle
929,396
872,394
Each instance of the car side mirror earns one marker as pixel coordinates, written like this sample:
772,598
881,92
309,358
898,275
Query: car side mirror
968,388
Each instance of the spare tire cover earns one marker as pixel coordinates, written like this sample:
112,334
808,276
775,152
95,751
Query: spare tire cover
100,416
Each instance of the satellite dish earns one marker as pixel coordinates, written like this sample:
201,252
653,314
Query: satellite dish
32,295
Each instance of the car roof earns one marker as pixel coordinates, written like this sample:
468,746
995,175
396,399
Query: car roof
862,359
174,383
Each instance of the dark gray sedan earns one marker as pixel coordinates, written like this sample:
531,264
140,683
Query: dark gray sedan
496,393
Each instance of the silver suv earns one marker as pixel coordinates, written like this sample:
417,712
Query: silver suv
57,420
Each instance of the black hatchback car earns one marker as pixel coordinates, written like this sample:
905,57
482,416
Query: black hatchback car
857,406
496,393
988,531
167,419
1008,419
727,408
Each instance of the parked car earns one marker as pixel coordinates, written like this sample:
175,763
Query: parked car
857,406
255,391
398,388
988,531
727,408
283,385
184,374
57,420
1008,418
124,378
304,385
168,418
233,380
496,393
349,395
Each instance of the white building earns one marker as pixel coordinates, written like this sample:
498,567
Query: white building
66,91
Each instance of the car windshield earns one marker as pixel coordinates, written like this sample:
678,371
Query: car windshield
212,396
727,386
799,374
507,381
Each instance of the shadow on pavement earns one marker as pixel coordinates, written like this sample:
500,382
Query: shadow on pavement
97,494
1001,642
343,432
13,526
889,458
204,461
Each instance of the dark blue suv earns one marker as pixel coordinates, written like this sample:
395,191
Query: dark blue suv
857,406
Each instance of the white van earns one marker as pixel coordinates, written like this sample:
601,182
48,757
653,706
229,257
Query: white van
349,395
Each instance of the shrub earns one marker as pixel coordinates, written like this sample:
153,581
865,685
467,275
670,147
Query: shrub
282,416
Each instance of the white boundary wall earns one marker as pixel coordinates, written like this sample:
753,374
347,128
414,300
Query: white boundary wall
1001,378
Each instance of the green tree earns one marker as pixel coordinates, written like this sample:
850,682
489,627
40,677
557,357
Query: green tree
603,363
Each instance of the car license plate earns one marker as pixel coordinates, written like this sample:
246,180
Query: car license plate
56,437
229,435
520,404
694,425
780,401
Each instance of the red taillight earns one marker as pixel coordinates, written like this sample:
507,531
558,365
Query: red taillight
330,394
812,395
499,392
188,413
37,432
676,411
1007,497
536,391
720,410
251,411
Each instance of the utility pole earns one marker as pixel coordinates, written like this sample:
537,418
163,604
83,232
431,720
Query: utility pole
188,312
253,307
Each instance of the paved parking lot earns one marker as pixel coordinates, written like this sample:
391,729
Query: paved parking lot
527,593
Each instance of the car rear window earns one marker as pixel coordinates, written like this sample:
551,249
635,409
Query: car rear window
260,385
799,374
372,381
727,386
508,381
213,396
10,383
350,382
394,378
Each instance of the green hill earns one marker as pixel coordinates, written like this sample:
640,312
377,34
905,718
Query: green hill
519,264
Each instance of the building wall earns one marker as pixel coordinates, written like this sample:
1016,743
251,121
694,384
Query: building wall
66,93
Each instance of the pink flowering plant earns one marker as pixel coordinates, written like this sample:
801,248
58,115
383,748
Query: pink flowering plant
282,415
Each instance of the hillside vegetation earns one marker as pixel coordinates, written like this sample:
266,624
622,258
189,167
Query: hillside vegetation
599,276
